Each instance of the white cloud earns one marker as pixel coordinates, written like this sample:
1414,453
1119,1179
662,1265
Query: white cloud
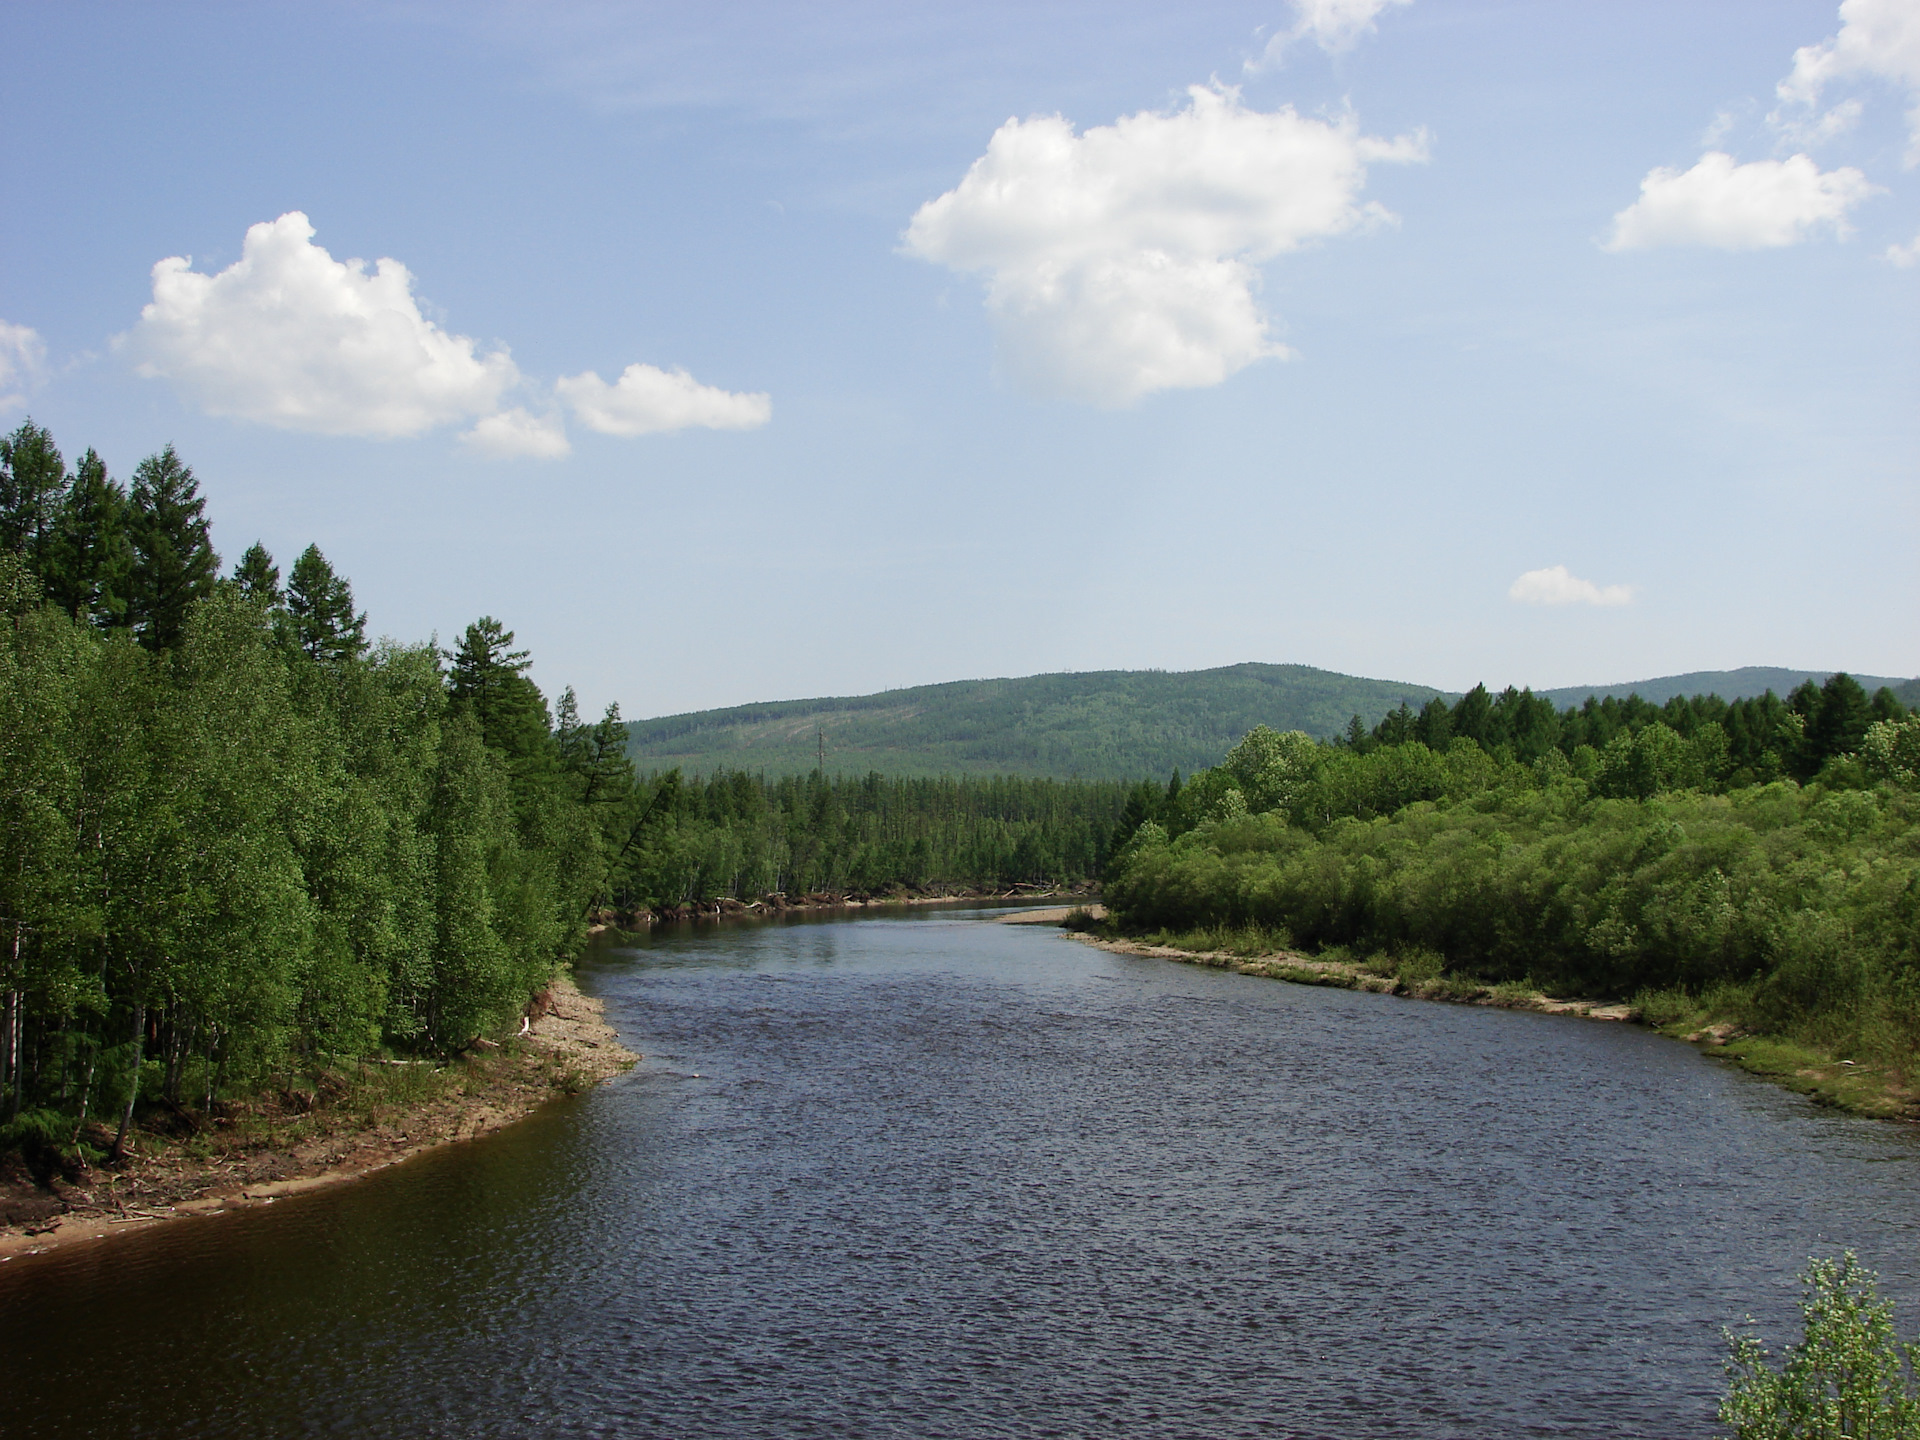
1555,585
516,433
647,400
1879,39
1122,261
23,357
1336,26
1760,205
1907,255
289,336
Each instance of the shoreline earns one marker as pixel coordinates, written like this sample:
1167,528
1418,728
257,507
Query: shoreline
777,903
1872,1091
569,1049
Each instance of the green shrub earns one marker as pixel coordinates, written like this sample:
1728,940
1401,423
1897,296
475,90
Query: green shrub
1848,1375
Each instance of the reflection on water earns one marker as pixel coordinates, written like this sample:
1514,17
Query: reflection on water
935,1177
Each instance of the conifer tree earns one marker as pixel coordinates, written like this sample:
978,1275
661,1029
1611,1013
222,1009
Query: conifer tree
320,609
1838,722
258,577
174,563
33,482
1434,728
90,560
1473,716
489,683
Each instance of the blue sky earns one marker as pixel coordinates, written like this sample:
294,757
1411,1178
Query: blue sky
1527,342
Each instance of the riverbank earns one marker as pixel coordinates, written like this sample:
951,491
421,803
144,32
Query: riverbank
351,1122
776,903
1880,1092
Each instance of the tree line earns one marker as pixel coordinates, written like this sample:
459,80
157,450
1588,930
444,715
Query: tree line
1654,863
740,834
1741,742
238,839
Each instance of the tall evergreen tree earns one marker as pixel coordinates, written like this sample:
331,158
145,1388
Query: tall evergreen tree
1839,720
90,561
258,577
1473,716
320,609
489,682
1434,728
33,482
174,563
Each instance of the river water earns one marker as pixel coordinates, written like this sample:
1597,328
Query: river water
933,1176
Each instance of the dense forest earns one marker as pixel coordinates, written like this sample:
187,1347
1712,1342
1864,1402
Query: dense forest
740,835
237,837
1762,857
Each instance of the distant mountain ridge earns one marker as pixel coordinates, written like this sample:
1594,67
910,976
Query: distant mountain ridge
1104,724
1727,684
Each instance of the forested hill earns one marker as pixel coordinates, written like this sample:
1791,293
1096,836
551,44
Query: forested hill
1107,724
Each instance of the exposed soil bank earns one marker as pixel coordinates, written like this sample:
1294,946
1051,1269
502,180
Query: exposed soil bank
779,903
303,1141
1877,1091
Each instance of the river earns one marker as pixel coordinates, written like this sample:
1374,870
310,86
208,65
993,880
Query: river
927,1175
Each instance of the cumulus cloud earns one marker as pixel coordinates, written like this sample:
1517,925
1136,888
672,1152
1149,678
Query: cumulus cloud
23,357
647,400
288,336
1905,256
1336,26
1760,205
518,434
1556,585
1123,260
1877,39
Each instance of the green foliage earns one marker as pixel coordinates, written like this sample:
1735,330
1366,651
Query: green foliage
735,834
174,564
319,605
1847,1376
89,564
33,480
1649,864
1111,725
258,578
1122,725
1891,750
237,843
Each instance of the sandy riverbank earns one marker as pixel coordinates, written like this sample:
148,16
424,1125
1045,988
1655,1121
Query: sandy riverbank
257,1160
1347,975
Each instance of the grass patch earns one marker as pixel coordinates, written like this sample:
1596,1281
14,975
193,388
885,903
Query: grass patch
1241,941
1864,1088
1514,994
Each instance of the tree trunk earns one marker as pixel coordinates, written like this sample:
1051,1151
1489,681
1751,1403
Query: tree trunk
86,1091
115,1155
12,1074
10,1045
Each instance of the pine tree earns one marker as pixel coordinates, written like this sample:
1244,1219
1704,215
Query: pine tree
1473,716
174,563
1434,728
320,608
90,561
258,577
33,482
1839,720
489,682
